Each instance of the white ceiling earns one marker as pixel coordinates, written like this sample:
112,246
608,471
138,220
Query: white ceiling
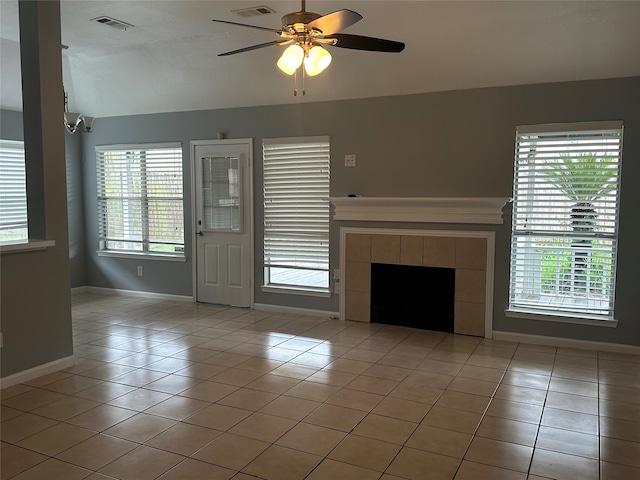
168,60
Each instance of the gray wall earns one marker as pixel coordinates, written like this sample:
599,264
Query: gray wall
75,205
11,125
446,144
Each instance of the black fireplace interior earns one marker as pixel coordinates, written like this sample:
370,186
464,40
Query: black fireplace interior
412,296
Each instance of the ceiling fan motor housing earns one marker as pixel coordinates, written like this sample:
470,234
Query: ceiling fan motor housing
291,19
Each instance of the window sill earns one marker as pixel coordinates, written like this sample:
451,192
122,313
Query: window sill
22,246
146,256
530,315
296,291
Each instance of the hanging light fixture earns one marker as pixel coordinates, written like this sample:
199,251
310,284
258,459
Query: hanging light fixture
315,59
306,33
291,59
75,121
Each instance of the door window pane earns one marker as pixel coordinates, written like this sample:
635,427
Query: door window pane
221,193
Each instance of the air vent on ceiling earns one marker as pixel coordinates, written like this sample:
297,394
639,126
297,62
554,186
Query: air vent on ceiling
112,22
254,11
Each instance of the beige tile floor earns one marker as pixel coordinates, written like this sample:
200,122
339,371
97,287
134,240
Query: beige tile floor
183,391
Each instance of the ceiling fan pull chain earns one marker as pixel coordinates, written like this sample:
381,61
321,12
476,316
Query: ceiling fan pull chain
304,91
295,84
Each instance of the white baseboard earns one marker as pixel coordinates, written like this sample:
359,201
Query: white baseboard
136,293
179,298
567,342
35,372
295,311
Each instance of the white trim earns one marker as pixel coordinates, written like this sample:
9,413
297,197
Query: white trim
569,127
35,372
567,342
296,140
26,246
136,146
490,236
194,211
296,291
560,318
422,210
136,293
293,310
142,256
489,285
420,233
194,228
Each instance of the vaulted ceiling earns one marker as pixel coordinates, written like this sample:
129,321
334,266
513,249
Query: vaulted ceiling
167,60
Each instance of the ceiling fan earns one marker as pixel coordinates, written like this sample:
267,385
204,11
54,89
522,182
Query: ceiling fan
305,33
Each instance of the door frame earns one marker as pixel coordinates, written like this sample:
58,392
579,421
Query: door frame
249,213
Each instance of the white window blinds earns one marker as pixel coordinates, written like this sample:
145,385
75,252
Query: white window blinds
565,219
140,198
13,192
296,212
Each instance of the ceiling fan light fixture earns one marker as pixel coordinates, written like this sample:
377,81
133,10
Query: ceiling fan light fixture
316,60
291,59
306,33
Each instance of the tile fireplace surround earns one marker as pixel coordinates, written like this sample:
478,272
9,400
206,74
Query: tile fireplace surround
467,252
470,253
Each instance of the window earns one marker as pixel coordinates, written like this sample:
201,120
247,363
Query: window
140,205
221,209
565,219
13,192
296,213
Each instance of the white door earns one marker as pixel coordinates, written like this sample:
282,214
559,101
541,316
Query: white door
223,222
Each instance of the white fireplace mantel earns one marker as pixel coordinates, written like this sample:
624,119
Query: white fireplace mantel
486,210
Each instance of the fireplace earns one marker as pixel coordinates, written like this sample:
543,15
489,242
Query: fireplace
413,296
469,254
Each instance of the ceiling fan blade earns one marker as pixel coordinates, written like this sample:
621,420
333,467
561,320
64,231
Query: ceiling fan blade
247,25
358,42
255,47
336,21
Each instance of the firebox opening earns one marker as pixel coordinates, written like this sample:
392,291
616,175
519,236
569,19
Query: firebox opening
413,296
